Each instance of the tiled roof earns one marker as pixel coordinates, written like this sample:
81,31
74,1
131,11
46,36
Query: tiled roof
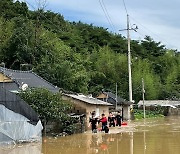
112,99
87,99
113,96
29,78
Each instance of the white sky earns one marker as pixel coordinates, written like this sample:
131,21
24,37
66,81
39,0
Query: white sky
156,18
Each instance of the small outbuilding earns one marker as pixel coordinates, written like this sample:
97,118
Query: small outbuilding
87,104
117,103
171,107
170,103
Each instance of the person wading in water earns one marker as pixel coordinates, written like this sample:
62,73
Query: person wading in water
111,120
118,119
93,122
103,120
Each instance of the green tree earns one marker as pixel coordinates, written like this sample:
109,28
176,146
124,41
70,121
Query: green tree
82,57
61,66
48,105
6,31
18,48
143,69
10,9
152,49
110,68
169,66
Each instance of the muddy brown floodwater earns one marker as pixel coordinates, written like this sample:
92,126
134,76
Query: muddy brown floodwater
152,136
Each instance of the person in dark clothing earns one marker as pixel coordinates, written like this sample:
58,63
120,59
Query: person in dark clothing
111,120
103,120
118,119
93,122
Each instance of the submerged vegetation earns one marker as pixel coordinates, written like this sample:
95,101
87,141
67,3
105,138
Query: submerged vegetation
85,58
157,112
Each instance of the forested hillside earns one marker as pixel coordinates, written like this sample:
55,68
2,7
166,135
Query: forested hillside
85,58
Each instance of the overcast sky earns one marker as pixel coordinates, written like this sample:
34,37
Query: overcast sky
156,18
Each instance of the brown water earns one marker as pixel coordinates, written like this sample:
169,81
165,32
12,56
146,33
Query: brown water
155,136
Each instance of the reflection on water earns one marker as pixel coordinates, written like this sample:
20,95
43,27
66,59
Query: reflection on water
155,136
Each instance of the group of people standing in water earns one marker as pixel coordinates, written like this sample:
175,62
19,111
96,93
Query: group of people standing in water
111,121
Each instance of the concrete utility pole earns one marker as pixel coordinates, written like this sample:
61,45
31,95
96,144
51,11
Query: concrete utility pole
116,96
129,60
143,92
129,57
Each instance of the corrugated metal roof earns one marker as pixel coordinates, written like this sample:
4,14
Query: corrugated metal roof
87,99
159,102
29,78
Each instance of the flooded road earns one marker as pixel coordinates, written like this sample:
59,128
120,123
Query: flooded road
152,136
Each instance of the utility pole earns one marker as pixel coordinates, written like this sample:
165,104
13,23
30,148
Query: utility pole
116,96
129,60
143,92
129,56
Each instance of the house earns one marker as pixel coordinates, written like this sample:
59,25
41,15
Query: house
14,80
168,103
171,107
121,103
87,104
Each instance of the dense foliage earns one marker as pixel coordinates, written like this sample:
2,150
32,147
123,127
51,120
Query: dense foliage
48,105
84,58
156,113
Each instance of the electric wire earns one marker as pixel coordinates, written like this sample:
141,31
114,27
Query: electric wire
102,4
148,30
125,7
108,15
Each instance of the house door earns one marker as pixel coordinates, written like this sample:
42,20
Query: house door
97,112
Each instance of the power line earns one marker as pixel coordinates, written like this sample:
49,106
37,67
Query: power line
149,30
108,14
102,4
125,7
